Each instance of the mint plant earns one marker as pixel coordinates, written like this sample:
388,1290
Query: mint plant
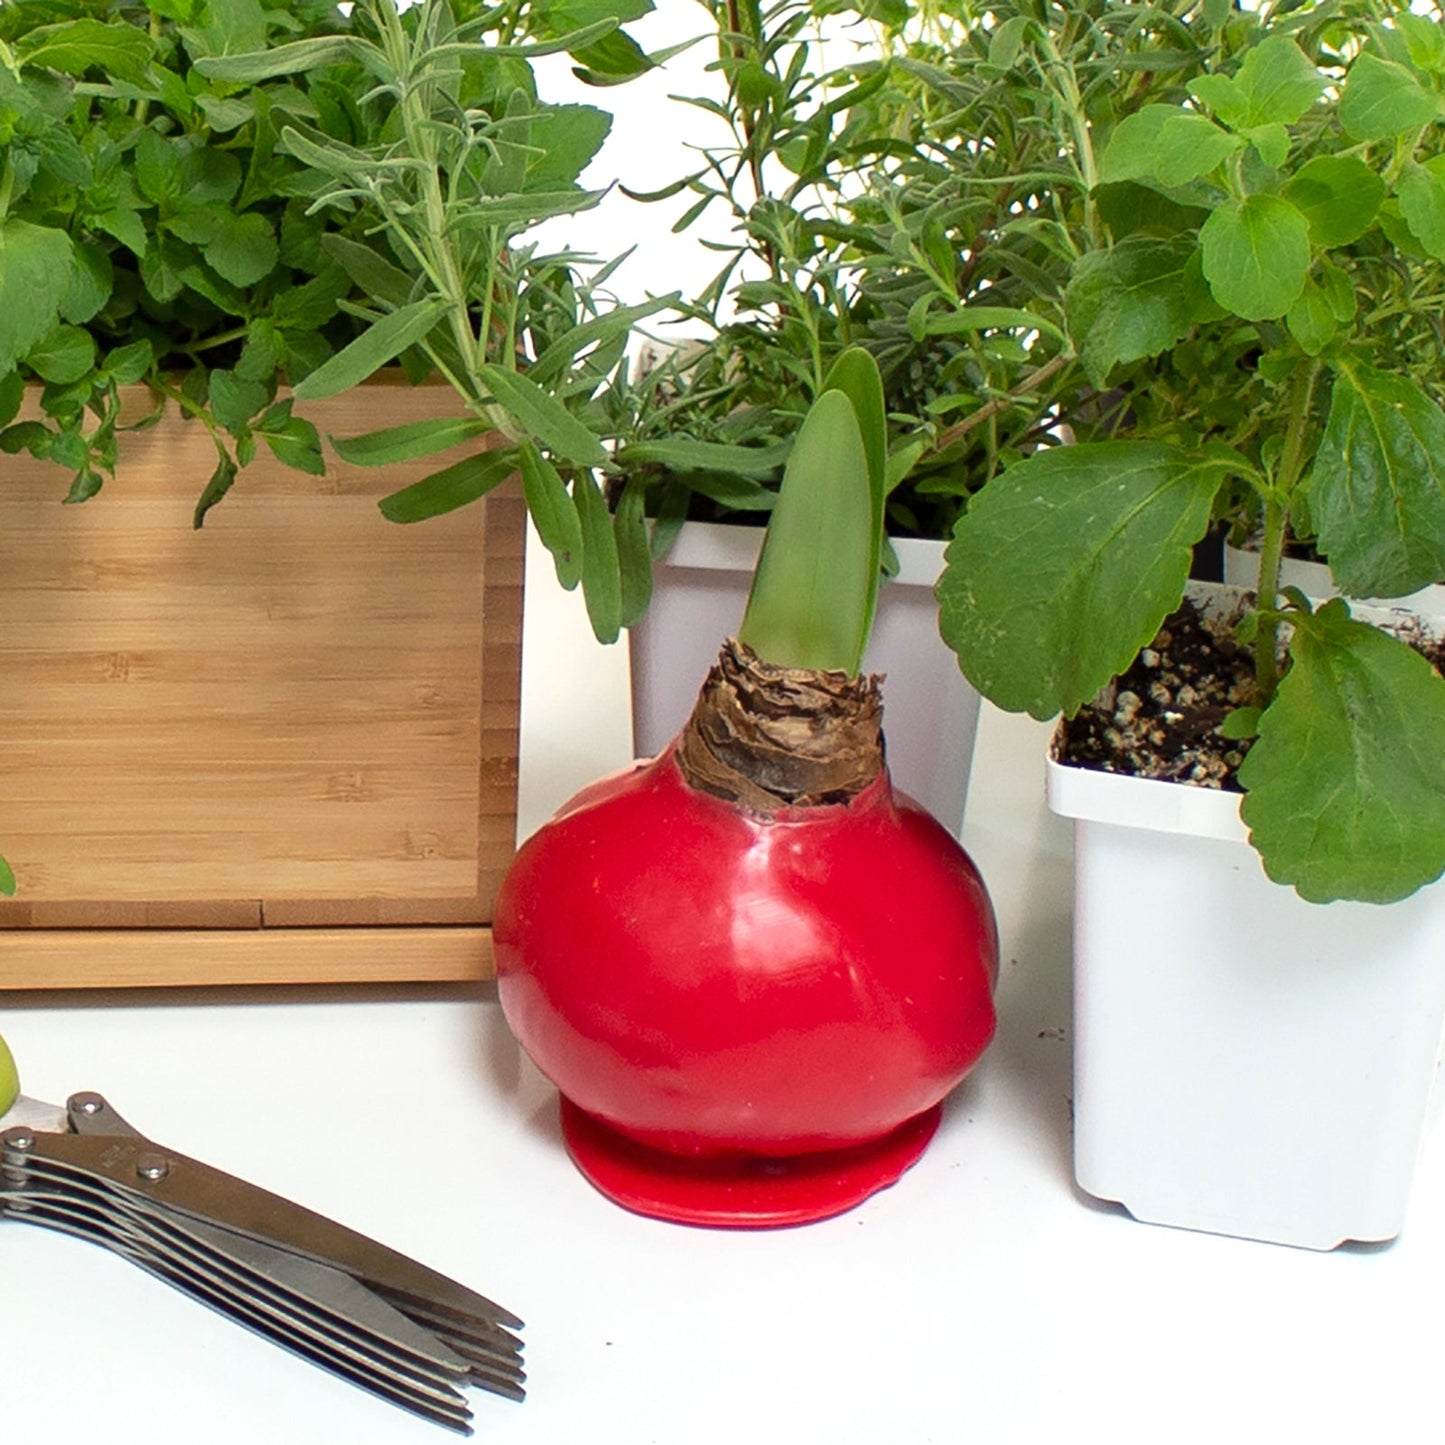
1253,305
452,158
151,232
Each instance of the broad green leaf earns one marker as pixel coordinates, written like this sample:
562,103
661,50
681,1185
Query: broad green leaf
92,279
809,604
1339,291
1189,146
158,167
1129,302
234,401
567,137
377,345
543,416
452,487
601,571
12,395
35,266
1382,99
407,442
1256,255
1133,148
683,455
244,249
553,513
126,365
290,59
295,442
209,175
1345,786
1278,81
1338,196
634,552
1376,492
220,483
1311,320
1424,40
64,354
1421,193
1066,564
1271,141
125,224
77,46
1276,85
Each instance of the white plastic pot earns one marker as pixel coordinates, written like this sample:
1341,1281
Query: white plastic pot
1245,1062
1314,579
700,590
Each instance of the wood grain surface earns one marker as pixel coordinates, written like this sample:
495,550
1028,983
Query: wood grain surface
279,734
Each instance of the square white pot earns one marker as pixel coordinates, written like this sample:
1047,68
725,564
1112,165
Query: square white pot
1245,1062
700,588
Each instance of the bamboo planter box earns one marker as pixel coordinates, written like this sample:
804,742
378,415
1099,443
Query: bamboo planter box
280,749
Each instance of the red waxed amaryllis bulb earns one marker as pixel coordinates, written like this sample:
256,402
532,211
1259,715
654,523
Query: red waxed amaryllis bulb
751,968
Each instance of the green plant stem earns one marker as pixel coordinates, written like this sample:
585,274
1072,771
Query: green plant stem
1276,528
990,409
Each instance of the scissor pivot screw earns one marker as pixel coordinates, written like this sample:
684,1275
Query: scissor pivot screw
20,1139
87,1103
152,1167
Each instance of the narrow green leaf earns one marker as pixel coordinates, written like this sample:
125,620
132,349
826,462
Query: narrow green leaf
375,275
1066,564
7,887
562,352
290,59
856,375
452,487
407,442
1345,787
634,554
543,416
682,455
809,604
1376,491
1256,255
520,211
553,514
378,344
601,571
987,318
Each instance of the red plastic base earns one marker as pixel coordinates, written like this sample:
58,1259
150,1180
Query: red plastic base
740,1194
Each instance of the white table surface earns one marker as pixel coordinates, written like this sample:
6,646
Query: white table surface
981,1298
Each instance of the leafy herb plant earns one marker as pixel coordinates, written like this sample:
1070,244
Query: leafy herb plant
150,231
453,159
1254,306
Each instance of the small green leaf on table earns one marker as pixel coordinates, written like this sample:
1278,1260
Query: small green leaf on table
409,441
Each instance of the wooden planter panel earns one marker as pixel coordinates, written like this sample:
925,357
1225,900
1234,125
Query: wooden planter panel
291,737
